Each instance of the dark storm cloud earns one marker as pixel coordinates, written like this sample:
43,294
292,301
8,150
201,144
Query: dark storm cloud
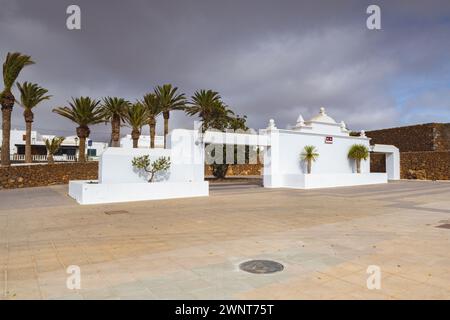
268,59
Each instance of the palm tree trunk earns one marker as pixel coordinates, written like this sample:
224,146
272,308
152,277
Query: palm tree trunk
82,149
309,166
152,135
28,157
166,127
115,131
6,134
358,165
82,133
50,159
135,133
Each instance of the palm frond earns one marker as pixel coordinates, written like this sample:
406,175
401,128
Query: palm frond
31,94
152,104
358,152
202,103
136,116
309,153
169,98
13,65
84,111
53,145
114,107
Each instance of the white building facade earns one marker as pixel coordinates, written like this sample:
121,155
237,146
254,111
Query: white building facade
283,166
69,150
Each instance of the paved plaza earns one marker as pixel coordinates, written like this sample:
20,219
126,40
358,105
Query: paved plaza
192,248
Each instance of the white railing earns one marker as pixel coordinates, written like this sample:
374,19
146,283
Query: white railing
43,158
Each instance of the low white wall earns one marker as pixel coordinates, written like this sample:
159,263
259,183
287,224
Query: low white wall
86,193
115,165
311,181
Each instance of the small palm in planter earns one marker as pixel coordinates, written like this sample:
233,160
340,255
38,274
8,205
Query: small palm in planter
159,165
53,147
309,155
358,152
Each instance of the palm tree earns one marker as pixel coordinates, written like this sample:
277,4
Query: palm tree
84,111
151,103
236,122
12,66
114,110
358,152
309,154
136,117
53,147
30,96
169,100
204,104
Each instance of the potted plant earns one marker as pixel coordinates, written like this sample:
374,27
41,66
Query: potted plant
358,152
309,155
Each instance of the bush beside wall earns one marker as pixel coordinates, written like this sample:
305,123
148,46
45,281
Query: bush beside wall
36,175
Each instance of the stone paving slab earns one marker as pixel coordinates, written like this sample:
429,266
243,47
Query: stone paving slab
191,248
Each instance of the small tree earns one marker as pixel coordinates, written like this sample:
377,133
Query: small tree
144,163
309,155
358,152
53,146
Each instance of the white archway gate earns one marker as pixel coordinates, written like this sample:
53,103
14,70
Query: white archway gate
392,155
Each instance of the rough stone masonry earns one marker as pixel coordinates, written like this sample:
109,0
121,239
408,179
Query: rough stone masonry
424,150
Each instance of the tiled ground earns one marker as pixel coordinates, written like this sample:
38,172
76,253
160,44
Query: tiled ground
191,248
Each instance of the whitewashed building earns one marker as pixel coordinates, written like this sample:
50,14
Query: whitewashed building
69,150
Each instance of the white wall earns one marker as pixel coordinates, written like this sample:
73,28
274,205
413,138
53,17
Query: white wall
332,158
143,142
120,182
186,156
90,193
329,180
115,165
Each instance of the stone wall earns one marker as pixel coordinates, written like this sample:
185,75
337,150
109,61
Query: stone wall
424,137
422,165
35,175
424,150
442,137
427,165
377,162
239,170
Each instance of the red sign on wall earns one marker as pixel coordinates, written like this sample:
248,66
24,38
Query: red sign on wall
329,140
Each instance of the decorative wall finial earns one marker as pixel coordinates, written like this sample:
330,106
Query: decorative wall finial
322,111
271,125
343,126
300,121
363,133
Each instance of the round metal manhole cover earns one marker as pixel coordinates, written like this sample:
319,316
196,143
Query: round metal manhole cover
261,266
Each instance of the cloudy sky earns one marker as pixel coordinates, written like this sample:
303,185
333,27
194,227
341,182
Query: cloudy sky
268,59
